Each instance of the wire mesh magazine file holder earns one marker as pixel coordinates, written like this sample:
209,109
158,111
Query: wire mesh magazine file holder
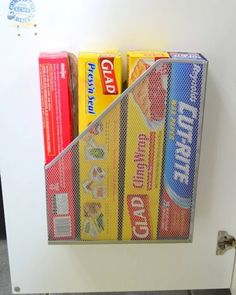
131,176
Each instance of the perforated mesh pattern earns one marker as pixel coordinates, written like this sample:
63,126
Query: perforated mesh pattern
131,176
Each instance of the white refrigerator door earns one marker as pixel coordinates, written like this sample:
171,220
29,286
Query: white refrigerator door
184,25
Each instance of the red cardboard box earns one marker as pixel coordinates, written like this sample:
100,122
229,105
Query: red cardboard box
56,101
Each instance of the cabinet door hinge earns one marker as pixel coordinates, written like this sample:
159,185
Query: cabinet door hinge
225,242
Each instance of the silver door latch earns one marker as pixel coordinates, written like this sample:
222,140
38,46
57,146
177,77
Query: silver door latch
224,242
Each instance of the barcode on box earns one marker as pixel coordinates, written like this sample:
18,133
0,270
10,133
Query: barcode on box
60,204
62,227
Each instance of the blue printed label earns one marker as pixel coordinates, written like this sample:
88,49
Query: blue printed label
182,131
21,11
91,88
185,55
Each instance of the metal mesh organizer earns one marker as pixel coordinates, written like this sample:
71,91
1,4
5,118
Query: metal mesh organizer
131,175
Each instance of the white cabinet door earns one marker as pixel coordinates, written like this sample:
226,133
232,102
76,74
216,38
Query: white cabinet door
184,25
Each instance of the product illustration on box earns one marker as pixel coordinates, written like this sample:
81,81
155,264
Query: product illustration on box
131,175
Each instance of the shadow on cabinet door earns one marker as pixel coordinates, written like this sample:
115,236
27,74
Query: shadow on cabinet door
2,221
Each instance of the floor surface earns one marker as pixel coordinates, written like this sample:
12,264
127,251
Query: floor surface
5,288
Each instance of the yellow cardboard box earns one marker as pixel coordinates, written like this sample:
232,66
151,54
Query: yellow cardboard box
99,82
145,142
139,61
99,188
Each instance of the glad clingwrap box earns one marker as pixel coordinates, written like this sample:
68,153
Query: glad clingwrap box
57,113
139,61
100,81
144,144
